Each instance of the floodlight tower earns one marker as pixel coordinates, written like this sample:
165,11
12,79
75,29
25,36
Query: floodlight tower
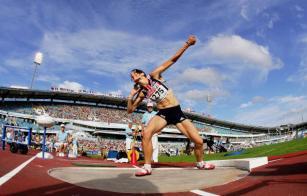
38,59
209,101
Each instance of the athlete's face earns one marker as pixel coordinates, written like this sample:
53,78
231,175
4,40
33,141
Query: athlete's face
138,78
135,77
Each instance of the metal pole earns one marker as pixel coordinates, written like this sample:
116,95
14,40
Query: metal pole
3,137
30,136
33,75
44,143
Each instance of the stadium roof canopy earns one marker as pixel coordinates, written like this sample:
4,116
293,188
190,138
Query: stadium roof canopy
7,94
30,95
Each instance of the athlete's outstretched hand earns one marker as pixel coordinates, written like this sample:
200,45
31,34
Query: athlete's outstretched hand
191,40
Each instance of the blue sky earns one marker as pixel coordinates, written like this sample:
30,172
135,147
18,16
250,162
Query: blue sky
250,57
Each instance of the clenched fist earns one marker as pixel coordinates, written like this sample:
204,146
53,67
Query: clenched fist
191,40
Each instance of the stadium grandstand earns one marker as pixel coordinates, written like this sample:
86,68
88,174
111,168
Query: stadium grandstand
101,119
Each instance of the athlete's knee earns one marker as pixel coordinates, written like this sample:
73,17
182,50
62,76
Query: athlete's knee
147,135
199,143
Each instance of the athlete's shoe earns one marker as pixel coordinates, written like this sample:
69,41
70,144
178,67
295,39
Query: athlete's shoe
206,166
142,172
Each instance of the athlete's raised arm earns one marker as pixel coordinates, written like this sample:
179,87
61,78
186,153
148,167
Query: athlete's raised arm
158,71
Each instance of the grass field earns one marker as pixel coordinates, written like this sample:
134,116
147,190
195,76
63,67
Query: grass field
266,150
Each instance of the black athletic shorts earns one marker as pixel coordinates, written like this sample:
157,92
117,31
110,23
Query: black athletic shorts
172,115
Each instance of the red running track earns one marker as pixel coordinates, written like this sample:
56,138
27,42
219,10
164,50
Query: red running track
284,175
287,175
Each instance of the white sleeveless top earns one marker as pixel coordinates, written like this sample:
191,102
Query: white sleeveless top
156,90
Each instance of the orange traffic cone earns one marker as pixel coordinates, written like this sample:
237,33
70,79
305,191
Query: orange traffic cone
133,158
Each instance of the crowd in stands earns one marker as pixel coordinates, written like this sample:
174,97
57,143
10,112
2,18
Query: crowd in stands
13,121
81,112
110,115
76,112
87,144
102,145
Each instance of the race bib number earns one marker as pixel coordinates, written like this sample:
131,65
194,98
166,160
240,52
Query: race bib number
157,92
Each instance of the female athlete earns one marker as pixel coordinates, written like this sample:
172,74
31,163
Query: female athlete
153,87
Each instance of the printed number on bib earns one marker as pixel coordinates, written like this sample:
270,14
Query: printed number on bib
158,92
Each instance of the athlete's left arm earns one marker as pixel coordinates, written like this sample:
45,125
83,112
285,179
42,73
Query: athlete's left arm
160,69
134,99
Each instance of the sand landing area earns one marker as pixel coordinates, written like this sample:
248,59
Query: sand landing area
162,180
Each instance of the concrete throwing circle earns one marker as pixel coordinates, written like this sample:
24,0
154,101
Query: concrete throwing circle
162,180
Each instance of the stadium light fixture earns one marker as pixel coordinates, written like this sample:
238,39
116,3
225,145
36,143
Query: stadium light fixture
38,59
209,101
209,98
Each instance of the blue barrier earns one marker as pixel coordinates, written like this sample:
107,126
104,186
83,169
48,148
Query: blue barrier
112,154
3,137
235,153
44,143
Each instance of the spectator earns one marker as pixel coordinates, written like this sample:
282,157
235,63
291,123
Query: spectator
129,136
62,138
75,146
220,146
10,135
37,143
210,143
188,147
104,152
145,120
52,143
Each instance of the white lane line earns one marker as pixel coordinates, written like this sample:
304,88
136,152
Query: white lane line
203,193
12,173
275,160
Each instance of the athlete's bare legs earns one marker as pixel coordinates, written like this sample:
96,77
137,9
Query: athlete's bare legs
189,130
154,126
186,127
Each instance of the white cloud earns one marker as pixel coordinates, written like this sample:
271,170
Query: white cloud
273,19
231,47
196,85
294,101
239,54
233,57
3,70
49,78
103,51
245,105
276,111
243,12
71,85
208,76
255,100
300,76
19,86
15,63
202,95
303,39
24,64
298,8
300,11
258,99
